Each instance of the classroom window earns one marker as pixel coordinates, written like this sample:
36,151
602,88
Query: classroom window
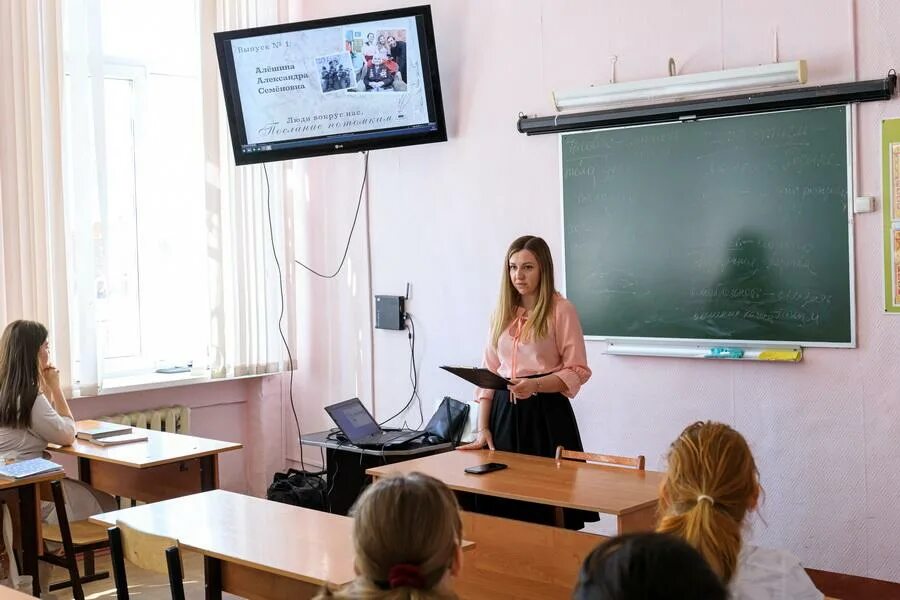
134,173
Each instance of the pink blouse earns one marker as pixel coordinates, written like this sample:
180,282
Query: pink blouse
560,353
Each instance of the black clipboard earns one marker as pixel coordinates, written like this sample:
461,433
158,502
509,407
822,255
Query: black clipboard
483,378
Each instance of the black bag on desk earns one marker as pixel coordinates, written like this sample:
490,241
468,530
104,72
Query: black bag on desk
448,422
300,488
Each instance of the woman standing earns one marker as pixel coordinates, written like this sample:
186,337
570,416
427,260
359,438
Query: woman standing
537,343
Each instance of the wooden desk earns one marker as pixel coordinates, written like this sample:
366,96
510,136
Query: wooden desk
30,521
514,560
628,494
166,466
253,548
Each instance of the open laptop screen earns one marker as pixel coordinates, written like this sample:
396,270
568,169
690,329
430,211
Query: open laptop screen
353,419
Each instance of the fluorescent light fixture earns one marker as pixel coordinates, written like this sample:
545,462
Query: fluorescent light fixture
684,86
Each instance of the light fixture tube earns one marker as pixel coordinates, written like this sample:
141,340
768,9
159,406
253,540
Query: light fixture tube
684,86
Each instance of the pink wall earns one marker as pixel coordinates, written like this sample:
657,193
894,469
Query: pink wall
825,432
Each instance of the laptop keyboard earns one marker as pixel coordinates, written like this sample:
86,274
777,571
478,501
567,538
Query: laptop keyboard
390,437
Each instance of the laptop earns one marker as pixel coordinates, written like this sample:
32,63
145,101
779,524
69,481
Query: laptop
362,430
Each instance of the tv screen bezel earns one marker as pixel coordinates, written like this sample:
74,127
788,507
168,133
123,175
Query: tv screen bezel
392,138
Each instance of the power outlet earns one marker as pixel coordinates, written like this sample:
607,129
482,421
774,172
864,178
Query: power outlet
390,312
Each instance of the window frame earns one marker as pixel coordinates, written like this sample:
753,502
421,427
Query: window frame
89,356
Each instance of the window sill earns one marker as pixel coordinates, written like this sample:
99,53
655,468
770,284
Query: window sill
155,381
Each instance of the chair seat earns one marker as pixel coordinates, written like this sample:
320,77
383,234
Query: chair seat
83,533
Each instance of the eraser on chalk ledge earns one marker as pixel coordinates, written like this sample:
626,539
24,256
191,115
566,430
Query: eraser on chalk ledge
788,355
725,352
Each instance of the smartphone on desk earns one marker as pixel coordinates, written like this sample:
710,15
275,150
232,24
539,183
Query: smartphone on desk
485,468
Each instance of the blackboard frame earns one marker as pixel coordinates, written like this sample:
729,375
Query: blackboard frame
850,150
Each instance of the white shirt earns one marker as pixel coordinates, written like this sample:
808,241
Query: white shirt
47,426
769,574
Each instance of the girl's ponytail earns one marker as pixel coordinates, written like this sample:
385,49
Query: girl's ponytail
710,485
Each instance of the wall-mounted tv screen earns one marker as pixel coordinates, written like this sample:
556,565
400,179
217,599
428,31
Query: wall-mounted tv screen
344,84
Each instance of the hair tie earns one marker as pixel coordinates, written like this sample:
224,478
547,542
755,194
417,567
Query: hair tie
705,497
406,575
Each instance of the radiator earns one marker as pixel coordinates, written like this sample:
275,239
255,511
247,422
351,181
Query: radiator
174,419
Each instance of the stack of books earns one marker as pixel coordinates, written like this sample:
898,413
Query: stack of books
107,434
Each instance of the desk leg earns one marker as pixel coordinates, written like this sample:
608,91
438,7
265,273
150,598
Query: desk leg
209,473
638,521
212,568
28,509
84,469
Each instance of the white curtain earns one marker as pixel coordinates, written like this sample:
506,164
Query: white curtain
32,218
246,301
40,278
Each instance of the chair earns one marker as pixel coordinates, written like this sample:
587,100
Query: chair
147,551
637,463
76,537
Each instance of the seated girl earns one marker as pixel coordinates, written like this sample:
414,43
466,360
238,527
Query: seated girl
407,536
650,566
711,485
34,412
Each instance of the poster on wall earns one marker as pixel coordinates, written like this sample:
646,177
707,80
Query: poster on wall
890,155
895,181
895,242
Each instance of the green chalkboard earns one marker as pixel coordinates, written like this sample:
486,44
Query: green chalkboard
733,229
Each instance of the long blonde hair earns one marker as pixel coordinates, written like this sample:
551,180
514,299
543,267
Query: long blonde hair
711,483
403,521
538,322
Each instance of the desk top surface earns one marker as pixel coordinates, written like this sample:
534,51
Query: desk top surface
8,484
294,542
159,449
298,543
321,439
567,483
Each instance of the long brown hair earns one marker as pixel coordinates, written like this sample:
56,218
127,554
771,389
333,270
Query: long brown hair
711,483
409,520
20,372
538,322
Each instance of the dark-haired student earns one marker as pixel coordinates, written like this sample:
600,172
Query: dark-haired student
407,538
536,341
34,412
647,566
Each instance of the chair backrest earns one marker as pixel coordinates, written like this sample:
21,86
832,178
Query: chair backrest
147,551
636,462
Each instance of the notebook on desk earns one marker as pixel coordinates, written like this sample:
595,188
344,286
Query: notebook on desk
27,468
92,430
115,440
362,430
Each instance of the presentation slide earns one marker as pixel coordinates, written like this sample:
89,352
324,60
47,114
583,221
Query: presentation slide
332,81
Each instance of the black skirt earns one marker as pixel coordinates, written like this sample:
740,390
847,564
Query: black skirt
536,426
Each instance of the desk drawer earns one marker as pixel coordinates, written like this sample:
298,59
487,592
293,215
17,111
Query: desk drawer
146,485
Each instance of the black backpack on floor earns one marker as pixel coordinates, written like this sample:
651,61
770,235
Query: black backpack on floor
300,488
